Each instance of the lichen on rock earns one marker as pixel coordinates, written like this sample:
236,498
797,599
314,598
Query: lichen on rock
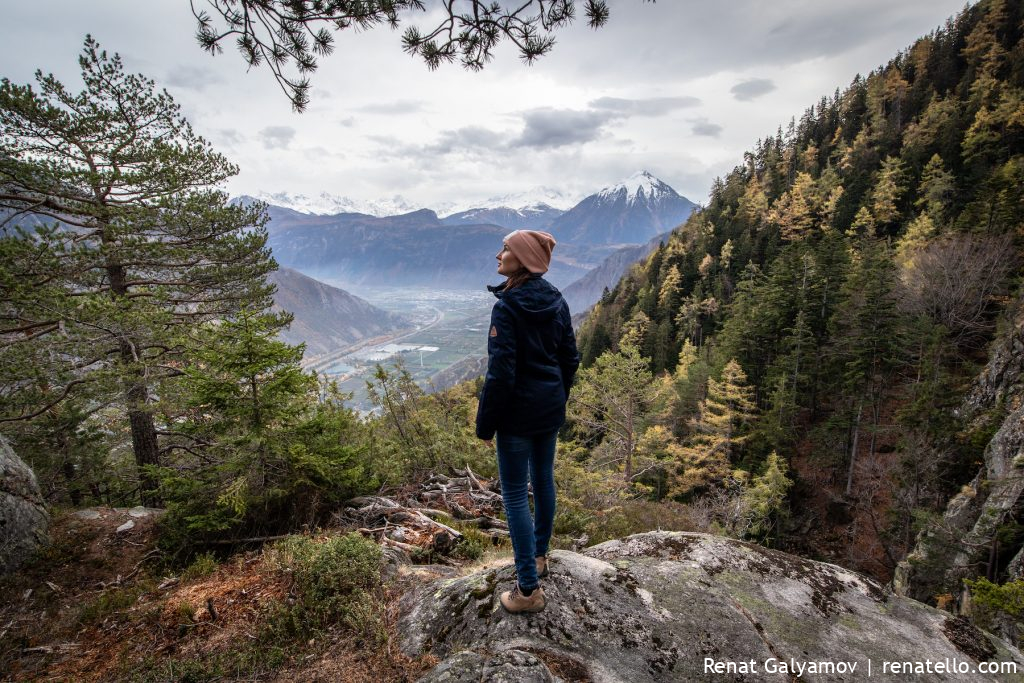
658,606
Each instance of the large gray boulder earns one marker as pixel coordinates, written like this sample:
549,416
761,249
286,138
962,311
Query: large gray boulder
23,517
672,606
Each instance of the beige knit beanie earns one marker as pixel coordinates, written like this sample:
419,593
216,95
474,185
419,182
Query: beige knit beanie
532,248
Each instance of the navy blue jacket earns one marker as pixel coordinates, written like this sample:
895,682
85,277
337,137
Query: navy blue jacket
531,361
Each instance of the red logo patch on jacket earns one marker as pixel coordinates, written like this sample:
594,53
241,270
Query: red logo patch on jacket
494,331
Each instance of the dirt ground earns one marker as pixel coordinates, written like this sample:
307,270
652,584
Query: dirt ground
101,605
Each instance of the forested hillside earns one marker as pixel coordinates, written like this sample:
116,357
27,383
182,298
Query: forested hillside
834,300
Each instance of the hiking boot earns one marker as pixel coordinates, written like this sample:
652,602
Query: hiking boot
515,602
542,567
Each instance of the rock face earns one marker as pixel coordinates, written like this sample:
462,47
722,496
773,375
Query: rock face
960,547
23,517
672,606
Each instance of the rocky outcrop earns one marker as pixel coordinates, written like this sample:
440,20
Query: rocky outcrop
23,517
964,540
672,606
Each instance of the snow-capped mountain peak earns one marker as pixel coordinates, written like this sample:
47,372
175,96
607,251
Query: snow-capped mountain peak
533,200
326,204
640,184
628,212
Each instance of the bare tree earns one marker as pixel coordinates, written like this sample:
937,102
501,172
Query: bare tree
954,281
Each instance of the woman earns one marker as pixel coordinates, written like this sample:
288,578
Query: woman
531,362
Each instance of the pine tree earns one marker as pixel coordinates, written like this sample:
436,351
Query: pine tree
668,295
863,223
718,432
795,212
887,192
865,341
144,250
281,34
262,442
935,191
766,498
613,398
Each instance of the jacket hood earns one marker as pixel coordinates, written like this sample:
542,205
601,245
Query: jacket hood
536,299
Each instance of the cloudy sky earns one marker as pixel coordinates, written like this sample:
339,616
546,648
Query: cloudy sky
681,88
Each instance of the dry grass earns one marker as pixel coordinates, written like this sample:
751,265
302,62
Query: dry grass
90,626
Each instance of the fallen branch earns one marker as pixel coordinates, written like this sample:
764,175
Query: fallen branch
407,547
254,539
50,649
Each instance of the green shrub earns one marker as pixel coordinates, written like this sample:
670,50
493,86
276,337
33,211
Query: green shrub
105,604
472,545
572,517
203,565
338,581
991,600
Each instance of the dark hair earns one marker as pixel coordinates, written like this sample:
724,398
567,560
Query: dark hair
517,278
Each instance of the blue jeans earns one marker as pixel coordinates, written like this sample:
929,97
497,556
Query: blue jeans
519,457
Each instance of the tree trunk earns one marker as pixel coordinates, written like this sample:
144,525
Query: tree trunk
144,441
629,447
853,448
875,419
144,438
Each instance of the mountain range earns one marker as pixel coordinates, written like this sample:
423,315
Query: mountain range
417,248
414,249
585,292
327,204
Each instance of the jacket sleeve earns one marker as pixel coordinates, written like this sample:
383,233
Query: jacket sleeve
500,380
568,355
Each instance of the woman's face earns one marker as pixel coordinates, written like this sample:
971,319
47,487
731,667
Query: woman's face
507,262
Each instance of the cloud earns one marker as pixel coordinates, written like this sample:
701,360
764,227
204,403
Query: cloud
752,88
192,78
230,137
392,108
469,139
321,153
705,128
277,137
651,106
560,127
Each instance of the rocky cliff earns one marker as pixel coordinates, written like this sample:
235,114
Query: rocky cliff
672,606
963,544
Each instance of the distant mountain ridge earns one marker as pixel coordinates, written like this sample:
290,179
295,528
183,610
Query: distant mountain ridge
536,217
585,292
414,249
327,204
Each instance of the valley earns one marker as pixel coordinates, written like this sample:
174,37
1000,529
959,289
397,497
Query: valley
451,327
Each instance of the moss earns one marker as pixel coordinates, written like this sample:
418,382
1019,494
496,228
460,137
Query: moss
770,616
